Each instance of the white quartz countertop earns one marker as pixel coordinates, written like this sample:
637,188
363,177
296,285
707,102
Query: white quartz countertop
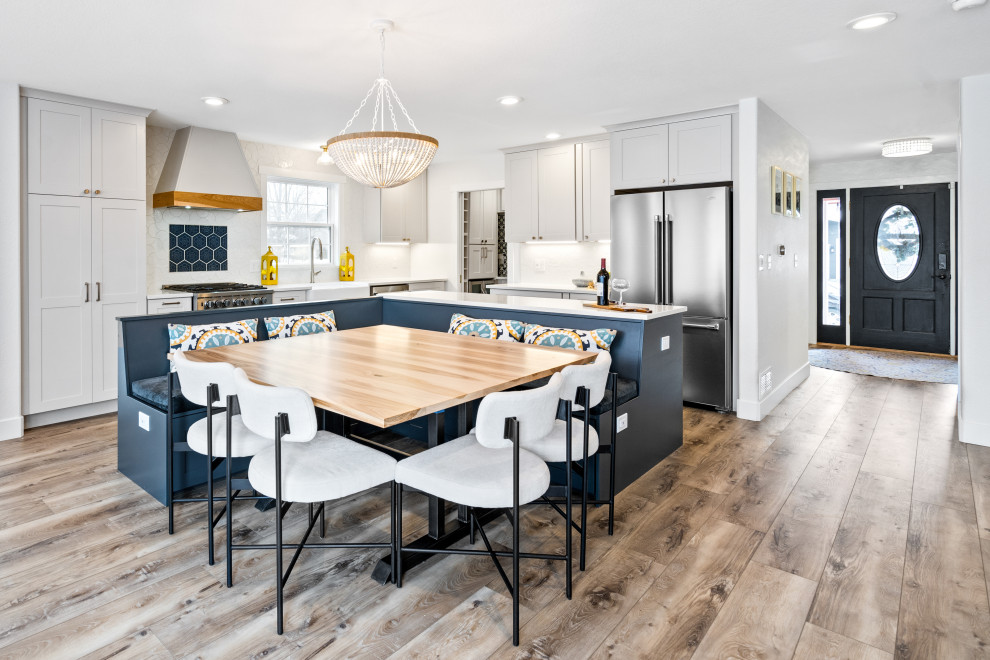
528,303
555,288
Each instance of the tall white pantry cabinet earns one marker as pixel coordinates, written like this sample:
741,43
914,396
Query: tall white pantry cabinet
85,213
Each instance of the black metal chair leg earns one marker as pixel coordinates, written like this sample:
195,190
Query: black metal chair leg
209,470
278,524
169,494
471,526
584,478
568,570
323,521
513,435
397,551
391,527
228,501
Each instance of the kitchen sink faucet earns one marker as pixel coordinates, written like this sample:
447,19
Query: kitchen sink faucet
312,265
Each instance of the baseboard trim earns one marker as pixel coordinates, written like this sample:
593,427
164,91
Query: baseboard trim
756,410
69,414
11,428
974,433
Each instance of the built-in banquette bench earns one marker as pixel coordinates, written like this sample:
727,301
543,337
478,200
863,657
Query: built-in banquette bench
649,391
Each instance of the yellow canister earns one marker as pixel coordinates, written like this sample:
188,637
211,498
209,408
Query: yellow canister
346,266
269,268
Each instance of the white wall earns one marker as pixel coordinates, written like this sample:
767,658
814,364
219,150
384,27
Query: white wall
772,304
439,257
867,173
247,233
974,236
555,264
11,421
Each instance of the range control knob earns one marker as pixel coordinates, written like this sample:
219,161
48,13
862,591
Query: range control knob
207,304
258,301
239,302
225,303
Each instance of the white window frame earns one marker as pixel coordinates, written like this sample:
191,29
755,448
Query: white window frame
333,216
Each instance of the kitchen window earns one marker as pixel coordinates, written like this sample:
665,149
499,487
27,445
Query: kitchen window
299,211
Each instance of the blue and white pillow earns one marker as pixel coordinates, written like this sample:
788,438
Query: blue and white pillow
182,337
300,324
502,329
579,340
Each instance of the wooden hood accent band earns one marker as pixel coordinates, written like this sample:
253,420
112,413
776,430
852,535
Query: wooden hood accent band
206,201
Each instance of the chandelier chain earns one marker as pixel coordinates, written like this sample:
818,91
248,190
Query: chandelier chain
384,88
359,109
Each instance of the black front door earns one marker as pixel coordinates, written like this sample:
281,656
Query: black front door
899,294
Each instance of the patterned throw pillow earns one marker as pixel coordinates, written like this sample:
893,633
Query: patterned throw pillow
579,340
503,329
300,324
183,337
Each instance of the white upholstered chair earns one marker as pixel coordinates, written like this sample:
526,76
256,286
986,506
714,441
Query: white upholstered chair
220,436
574,438
305,465
487,469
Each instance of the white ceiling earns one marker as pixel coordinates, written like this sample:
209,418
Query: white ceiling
295,71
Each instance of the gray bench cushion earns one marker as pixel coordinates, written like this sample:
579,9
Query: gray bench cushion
154,391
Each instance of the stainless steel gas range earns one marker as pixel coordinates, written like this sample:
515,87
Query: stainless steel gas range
224,294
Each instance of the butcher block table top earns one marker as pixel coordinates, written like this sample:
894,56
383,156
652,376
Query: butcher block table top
386,374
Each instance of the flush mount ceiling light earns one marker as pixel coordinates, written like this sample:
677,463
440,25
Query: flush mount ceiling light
509,100
553,136
214,101
906,147
871,21
959,5
324,158
380,158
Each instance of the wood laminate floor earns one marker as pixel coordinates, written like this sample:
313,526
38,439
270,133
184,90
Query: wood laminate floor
850,523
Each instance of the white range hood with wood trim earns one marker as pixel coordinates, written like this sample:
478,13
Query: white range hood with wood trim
206,169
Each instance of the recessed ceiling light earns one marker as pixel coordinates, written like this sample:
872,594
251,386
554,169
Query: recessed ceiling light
215,100
906,147
553,136
509,100
959,5
871,21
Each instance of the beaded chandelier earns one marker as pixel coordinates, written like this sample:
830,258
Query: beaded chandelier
380,158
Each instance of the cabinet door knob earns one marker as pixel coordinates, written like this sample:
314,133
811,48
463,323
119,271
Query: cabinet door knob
663,180
586,237
541,238
96,192
86,192
672,179
534,238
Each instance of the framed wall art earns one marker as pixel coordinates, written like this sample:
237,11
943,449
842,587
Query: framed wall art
776,190
788,194
797,197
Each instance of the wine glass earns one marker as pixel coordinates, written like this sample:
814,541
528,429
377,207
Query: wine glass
621,286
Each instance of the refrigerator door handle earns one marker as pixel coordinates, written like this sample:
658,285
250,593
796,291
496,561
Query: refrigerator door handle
659,255
702,326
668,258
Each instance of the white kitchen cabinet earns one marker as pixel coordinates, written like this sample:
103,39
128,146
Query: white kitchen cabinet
82,257
700,150
170,304
586,296
596,191
639,158
118,152
557,192
396,215
84,152
482,262
483,217
520,197
288,295
118,252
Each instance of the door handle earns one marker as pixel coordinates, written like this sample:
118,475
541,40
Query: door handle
702,326
660,251
668,261
87,291
98,292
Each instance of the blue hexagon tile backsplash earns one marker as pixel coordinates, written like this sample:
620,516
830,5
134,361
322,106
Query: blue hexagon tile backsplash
196,247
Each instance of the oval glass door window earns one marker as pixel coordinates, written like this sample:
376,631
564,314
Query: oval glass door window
898,242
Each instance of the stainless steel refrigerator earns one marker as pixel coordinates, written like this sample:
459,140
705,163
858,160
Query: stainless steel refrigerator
674,248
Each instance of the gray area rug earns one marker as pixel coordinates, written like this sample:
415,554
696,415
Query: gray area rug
887,365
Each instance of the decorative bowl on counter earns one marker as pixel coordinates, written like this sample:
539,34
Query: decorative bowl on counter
581,283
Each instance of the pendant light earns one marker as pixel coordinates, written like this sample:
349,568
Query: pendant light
380,158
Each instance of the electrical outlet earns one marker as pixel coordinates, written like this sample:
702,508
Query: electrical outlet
665,343
769,262
622,422
795,261
144,421
763,261
540,265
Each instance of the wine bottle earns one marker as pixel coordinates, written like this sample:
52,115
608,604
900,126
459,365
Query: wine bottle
601,285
